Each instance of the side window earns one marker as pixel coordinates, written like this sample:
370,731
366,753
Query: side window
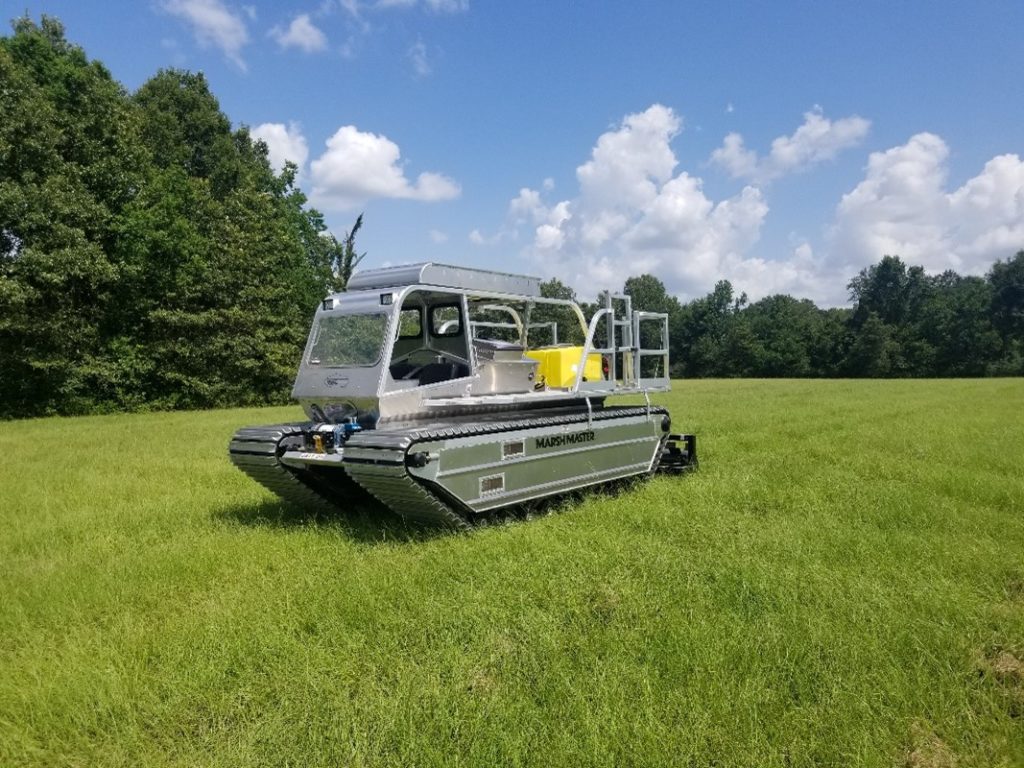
445,320
410,324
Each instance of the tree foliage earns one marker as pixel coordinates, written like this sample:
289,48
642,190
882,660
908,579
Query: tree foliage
149,256
903,323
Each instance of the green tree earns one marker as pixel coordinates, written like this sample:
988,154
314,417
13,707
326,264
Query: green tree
872,350
227,262
786,329
1006,279
70,160
183,128
556,289
698,336
1006,282
648,294
148,253
569,331
831,341
741,352
955,325
889,290
895,295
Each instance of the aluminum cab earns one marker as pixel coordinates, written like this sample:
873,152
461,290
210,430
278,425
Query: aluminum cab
406,342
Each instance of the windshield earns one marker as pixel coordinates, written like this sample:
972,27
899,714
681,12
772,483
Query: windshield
343,340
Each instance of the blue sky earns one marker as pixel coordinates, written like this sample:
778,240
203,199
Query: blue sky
782,146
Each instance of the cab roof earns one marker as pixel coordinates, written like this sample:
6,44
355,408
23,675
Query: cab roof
447,276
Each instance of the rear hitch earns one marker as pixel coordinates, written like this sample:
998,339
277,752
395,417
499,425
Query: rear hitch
679,454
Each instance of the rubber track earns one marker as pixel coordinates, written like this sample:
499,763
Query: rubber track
396,489
256,451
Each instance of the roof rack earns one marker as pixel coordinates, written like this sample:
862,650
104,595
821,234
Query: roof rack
430,273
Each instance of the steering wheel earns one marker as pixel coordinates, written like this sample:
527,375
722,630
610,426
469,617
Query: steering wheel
412,373
418,352
447,326
415,372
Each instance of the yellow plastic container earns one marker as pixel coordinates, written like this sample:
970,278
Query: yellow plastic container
558,365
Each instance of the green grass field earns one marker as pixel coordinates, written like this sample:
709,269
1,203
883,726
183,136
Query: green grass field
841,583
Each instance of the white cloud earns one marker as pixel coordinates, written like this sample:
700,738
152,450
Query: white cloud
360,23
818,139
527,206
627,165
420,61
301,33
437,236
437,6
476,237
635,213
213,23
358,166
734,157
549,237
448,6
283,143
902,207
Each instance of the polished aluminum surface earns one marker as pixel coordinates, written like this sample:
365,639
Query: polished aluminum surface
429,273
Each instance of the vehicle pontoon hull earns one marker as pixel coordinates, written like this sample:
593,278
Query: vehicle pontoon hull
454,474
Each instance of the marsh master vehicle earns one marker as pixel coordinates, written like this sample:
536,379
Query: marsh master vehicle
447,393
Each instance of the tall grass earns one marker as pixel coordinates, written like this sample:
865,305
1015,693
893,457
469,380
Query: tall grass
841,583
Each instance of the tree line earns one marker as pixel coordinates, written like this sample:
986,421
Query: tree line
150,257
903,323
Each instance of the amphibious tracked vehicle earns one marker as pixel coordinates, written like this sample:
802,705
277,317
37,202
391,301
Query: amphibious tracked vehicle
448,393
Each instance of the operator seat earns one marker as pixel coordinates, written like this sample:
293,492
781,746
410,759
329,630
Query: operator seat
436,372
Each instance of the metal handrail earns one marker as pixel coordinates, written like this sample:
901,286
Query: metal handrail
588,347
662,352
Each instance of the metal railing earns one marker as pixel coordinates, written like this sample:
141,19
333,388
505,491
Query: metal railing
624,339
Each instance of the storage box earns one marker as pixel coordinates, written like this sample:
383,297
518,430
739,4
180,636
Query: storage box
558,365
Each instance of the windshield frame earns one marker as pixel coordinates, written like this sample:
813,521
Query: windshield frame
326,317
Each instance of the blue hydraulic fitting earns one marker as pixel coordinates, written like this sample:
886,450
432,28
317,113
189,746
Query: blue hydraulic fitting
343,431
